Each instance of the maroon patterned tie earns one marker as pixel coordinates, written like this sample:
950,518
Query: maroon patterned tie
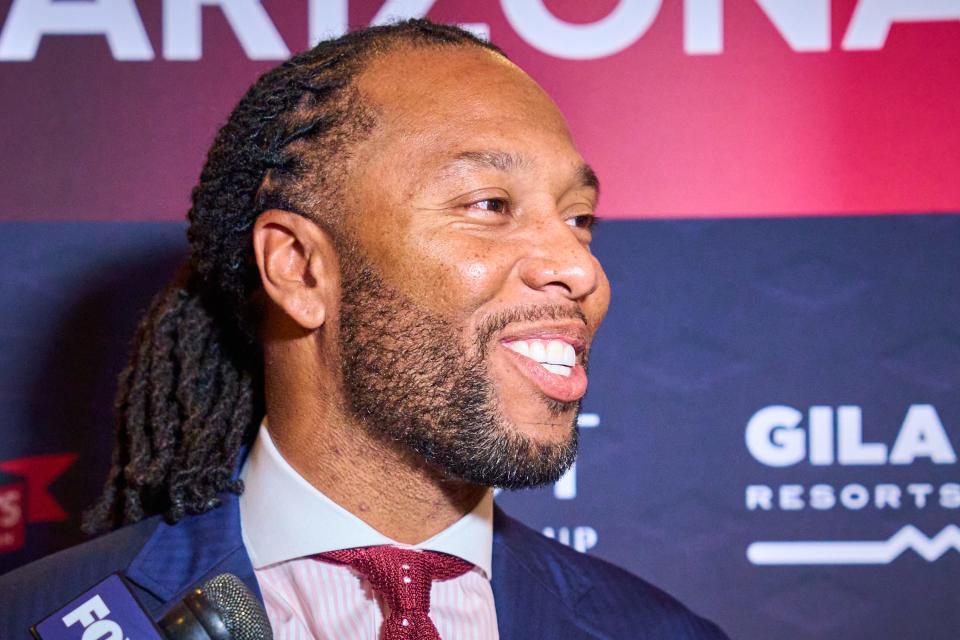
402,577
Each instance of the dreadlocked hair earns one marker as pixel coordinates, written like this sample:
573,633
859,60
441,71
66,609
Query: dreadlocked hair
192,393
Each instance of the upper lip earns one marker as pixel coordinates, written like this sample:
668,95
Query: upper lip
572,332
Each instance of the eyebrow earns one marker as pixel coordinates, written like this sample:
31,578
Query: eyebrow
499,160
588,177
506,162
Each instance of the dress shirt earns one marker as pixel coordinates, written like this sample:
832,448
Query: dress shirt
286,521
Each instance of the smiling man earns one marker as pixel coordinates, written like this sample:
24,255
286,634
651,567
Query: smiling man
390,260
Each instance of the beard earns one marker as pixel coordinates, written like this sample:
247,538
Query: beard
410,382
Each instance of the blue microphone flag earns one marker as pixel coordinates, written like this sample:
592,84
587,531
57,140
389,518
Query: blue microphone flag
107,611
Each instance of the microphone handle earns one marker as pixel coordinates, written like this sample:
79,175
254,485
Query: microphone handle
193,618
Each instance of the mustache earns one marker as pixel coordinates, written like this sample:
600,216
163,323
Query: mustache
497,322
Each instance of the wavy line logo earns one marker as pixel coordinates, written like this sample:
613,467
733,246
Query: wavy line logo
829,552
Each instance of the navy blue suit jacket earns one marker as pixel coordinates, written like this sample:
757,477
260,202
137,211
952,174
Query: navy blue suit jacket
541,588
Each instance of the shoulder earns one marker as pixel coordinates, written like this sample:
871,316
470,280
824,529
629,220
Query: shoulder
637,602
609,597
34,591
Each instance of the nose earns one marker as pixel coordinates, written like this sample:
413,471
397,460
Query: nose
559,262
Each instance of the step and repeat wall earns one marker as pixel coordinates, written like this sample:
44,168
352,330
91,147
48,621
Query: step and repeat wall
773,423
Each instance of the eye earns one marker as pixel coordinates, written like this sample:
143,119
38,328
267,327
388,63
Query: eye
494,205
582,221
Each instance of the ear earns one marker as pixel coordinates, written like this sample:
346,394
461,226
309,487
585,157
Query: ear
298,267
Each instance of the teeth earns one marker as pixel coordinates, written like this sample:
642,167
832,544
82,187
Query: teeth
559,369
555,352
521,346
556,356
569,355
538,351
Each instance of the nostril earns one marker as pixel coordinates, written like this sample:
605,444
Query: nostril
556,264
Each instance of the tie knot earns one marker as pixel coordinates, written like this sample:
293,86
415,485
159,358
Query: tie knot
402,577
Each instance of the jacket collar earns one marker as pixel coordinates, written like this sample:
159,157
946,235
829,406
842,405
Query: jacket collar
183,555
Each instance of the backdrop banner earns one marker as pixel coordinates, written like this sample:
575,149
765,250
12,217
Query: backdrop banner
773,421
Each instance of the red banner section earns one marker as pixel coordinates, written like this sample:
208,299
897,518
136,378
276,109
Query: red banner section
693,108
12,523
38,473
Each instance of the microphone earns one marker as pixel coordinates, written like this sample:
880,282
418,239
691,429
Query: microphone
221,609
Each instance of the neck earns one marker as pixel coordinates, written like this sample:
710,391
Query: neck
391,489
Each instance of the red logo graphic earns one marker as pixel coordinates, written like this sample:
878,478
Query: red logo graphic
27,499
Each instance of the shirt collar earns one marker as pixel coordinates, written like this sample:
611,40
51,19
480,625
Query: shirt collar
282,517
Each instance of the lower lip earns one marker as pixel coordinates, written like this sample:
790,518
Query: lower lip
561,388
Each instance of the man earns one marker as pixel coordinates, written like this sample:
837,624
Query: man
390,260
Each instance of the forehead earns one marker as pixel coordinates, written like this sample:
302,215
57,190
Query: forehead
460,99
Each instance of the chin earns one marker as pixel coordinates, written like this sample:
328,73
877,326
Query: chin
552,422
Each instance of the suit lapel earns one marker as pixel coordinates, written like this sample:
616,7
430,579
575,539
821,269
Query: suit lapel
181,556
534,593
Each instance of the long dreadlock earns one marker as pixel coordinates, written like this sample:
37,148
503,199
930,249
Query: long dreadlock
192,393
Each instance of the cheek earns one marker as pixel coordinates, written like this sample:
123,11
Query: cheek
477,279
465,278
475,272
